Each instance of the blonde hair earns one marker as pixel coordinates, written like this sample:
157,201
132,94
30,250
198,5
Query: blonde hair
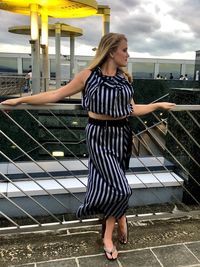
108,44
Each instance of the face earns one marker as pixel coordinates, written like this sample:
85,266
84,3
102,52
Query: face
120,55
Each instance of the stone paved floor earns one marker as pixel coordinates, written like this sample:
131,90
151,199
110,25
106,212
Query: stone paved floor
152,243
176,255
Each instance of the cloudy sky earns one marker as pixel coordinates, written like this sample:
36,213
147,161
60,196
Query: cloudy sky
164,29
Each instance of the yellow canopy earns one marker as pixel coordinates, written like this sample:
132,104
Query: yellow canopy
54,8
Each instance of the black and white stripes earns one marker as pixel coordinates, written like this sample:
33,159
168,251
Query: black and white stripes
107,95
108,190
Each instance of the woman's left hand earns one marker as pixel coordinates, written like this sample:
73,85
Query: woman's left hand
166,105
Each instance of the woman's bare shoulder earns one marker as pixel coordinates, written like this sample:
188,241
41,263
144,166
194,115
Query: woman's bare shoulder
84,74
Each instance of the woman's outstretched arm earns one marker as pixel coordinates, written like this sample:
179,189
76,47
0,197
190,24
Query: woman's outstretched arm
73,87
139,110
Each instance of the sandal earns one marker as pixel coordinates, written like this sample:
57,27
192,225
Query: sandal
123,237
110,252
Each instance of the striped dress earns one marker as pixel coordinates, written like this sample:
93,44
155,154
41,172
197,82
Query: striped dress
108,190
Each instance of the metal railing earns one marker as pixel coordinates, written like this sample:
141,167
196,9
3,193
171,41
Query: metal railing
13,85
18,84
188,109
27,187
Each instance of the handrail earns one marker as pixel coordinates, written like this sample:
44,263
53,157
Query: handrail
70,106
52,106
186,107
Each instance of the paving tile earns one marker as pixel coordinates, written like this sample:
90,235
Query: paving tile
58,263
98,261
175,255
139,258
195,248
23,265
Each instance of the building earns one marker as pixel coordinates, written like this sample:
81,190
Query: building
141,68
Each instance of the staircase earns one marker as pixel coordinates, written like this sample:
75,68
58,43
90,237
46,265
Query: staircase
151,141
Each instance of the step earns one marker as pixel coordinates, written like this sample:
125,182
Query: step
78,185
67,168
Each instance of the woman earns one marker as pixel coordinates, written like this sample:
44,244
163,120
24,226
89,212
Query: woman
108,98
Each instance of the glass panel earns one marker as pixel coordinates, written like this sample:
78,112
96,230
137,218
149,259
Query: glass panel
52,68
82,64
166,68
26,65
189,69
65,70
8,64
143,70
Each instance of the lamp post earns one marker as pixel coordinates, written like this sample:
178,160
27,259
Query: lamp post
35,49
53,8
44,47
57,30
104,11
58,69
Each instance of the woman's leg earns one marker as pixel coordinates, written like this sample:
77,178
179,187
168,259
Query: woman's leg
123,229
107,239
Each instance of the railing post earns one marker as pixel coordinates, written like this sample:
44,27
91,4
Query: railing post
183,128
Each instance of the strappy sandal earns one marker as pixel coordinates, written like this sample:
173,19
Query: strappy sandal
110,252
123,238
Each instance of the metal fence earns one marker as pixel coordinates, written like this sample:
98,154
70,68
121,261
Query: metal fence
20,85
13,85
43,164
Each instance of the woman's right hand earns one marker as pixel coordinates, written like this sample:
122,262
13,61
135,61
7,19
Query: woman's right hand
11,102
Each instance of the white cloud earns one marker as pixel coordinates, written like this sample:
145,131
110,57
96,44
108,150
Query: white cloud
15,48
164,28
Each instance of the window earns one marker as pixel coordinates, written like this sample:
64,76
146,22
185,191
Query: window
8,64
189,70
166,68
142,70
52,68
82,64
26,65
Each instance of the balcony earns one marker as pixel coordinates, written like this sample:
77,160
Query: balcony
41,190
